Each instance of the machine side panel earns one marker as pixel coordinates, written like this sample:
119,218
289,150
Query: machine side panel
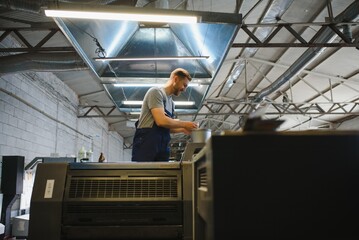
46,201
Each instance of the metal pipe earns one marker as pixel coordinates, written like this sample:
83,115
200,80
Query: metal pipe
41,62
350,13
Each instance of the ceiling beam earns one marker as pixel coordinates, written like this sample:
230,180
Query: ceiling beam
274,108
29,47
335,28
245,28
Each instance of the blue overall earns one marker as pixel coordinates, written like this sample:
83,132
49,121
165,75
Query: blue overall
152,144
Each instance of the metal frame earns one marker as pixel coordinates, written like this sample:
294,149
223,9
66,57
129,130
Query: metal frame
245,28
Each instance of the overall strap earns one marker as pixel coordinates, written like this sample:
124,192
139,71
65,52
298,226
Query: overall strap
170,114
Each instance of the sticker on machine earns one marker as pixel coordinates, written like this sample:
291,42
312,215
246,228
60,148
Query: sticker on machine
49,189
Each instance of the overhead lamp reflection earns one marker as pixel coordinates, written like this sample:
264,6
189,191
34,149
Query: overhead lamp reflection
177,103
148,84
163,58
162,18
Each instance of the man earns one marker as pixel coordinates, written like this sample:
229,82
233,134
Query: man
152,136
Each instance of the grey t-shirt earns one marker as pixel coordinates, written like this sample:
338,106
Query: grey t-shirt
154,98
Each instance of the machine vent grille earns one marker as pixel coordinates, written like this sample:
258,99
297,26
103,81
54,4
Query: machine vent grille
203,178
123,188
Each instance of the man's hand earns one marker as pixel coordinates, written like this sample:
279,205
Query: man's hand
190,126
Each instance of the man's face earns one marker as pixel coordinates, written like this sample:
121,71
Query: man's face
180,86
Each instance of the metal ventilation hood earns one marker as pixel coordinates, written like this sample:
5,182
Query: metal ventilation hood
92,38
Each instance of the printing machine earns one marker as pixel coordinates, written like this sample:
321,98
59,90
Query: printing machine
268,185
106,201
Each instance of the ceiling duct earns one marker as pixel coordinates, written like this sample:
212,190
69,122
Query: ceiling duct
276,9
165,4
22,5
349,14
132,52
35,6
41,62
210,39
53,62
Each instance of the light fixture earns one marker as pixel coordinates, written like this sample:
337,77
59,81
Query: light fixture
163,58
132,102
177,103
71,9
163,18
148,84
184,103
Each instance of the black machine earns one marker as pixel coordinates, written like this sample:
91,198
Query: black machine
267,185
12,173
111,201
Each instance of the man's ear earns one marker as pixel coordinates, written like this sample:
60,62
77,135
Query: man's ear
176,79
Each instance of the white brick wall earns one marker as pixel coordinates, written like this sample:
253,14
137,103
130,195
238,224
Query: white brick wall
38,117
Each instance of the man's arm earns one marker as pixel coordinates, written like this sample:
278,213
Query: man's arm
174,125
180,130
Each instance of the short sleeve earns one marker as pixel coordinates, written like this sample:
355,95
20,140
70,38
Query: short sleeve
154,98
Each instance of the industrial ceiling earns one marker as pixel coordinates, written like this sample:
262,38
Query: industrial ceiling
289,60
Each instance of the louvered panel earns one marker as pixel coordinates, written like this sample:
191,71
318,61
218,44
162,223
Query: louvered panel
154,187
203,177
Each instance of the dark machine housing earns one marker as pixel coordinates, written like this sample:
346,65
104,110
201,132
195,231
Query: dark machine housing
111,201
267,185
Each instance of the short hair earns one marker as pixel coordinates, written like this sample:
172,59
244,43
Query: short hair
183,73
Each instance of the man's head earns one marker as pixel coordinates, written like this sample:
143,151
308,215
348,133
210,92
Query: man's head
180,79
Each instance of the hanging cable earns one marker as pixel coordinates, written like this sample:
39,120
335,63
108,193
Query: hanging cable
101,53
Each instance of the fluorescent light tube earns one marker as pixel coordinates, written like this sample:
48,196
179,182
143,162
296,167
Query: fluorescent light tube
177,103
122,16
184,103
149,58
132,102
147,84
